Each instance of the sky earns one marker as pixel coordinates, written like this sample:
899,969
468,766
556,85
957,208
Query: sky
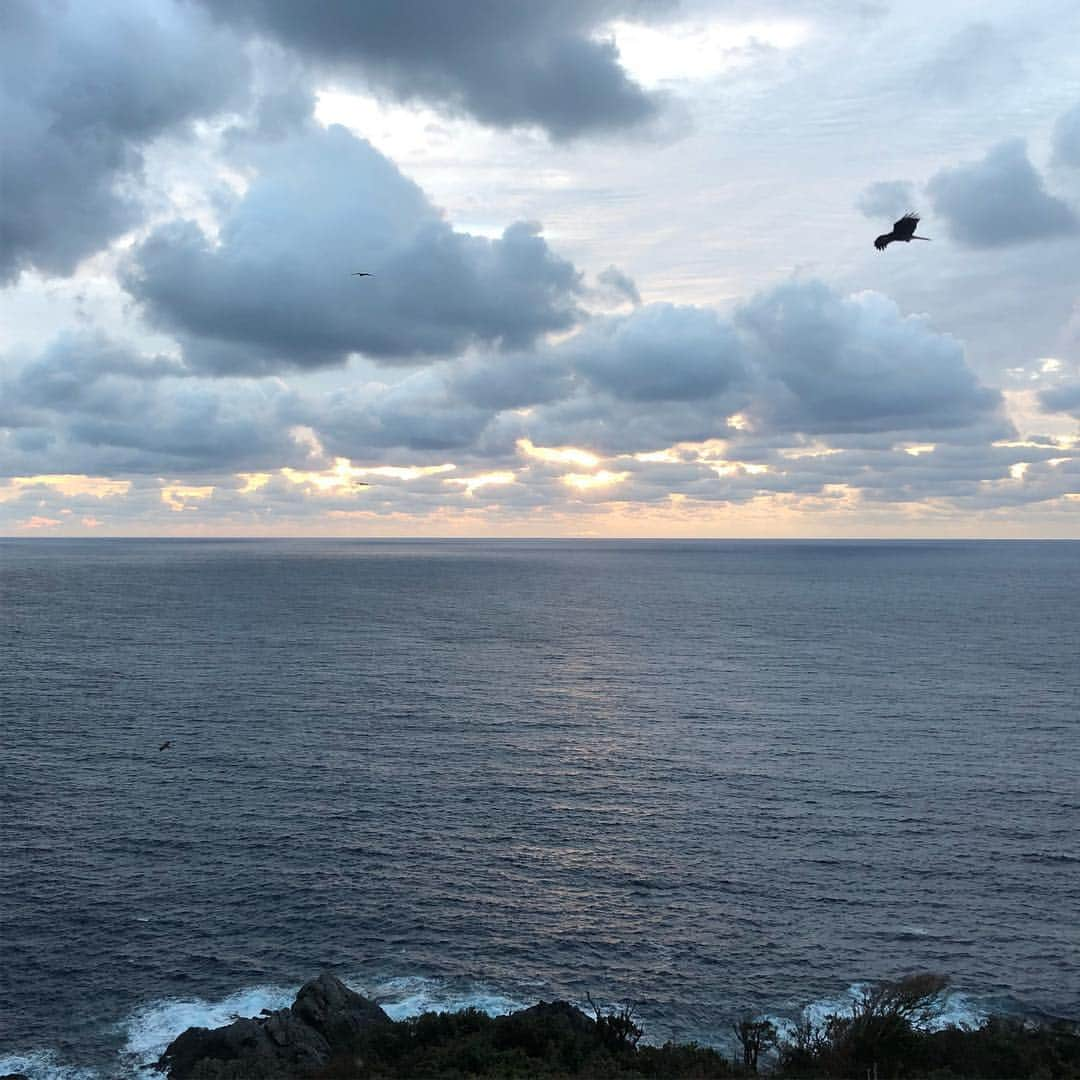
623,274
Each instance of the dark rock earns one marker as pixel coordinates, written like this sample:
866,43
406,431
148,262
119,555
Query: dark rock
275,1043
325,1019
14,1076
556,1016
337,1013
539,1029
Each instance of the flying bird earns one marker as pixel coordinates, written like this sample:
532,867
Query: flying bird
361,273
904,230
165,745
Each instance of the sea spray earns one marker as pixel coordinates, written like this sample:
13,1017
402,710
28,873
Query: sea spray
151,1028
410,995
955,1009
45,1065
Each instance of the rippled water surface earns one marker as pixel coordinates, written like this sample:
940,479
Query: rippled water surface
709,777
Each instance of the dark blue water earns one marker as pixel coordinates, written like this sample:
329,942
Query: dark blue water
709,777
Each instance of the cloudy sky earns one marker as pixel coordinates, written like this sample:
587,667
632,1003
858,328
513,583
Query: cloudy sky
624,276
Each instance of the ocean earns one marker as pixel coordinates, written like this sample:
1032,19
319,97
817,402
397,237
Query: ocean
711,778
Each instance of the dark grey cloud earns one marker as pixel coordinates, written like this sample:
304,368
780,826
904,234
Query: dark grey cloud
1000,200
506,62
629,383
189,432
511,381
1067,138
972,476
887,199
275,289
660,353
420,413
799,359
77,375
282,108
801,363
89,404
609,426
192,427
84,88
1062,398
625,383
620,285
836,364
70,370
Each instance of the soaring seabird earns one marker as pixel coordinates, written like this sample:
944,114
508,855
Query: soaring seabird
904,230
165,745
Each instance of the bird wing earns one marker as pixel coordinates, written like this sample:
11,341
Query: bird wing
906,226
884,240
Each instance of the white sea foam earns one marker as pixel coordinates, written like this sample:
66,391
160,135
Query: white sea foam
406,996
956,1009
43,1065
151,1028
960,1010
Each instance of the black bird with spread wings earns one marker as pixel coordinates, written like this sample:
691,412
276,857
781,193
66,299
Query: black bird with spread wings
361,273
904,230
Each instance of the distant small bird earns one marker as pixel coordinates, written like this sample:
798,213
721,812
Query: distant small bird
904,230
361,273
165,745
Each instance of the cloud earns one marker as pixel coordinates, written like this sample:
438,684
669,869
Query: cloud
608,425
71,485
635,406
69,372
887,199
632,382
660,353
1067,138
511,381
835,364
620,285
90,403
999,201
275,290
507,64
84,88
422,413
975,59
1062,398
193,427
797,360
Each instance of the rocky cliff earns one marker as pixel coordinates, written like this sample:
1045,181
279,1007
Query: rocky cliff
326,1019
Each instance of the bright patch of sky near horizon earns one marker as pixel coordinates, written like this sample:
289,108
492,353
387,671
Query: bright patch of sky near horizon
754,175
699,51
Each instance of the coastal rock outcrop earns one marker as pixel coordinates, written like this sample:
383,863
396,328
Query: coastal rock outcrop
554,1019
337,1013
324,1020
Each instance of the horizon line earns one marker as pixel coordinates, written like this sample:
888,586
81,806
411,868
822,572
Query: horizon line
577,539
